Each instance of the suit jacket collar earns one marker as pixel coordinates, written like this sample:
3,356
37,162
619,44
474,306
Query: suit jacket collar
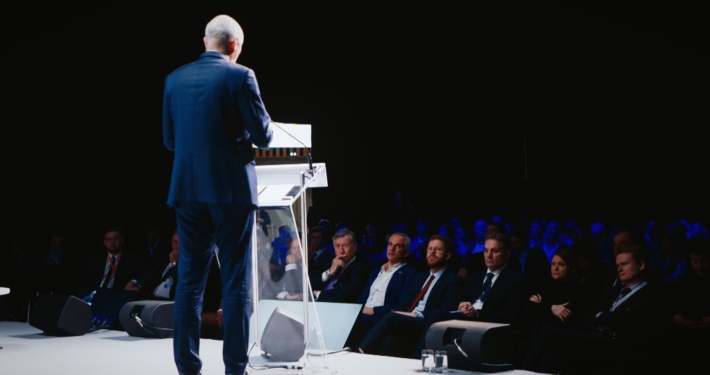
213,54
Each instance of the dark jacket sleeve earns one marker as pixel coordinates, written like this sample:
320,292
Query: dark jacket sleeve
449,296
256,119
395,292
349,285
504,302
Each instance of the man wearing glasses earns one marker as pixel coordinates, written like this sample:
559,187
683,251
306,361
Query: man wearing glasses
113,268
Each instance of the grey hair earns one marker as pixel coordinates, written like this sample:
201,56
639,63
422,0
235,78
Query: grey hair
407,241
223,29
345,233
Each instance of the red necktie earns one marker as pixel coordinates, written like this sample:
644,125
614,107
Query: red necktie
421,294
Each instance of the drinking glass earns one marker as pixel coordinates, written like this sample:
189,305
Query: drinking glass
441,361
428,360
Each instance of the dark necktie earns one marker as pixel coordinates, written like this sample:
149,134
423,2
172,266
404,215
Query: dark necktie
483,293
624,292
421,294
331,283
109,273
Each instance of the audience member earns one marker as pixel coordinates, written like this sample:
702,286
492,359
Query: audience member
619,338
155,249
552,301
420,240
159,282
55,270
319,258
479,231
113,268
493,295
534,264
551,242
371,246
536,233
385,287
287,279
397,332
347,275
672,266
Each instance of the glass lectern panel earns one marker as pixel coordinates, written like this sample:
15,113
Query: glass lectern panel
285,329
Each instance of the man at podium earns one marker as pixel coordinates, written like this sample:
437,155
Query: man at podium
212,115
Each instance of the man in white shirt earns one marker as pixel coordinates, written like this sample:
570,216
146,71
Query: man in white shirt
438,289
385,287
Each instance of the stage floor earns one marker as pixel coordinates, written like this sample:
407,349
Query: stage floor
26,351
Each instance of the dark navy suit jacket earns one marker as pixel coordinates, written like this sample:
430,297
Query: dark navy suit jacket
443,296
396,290
349,284
214,163
504,301
129,268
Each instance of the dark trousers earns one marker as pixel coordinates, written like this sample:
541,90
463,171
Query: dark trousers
395,335
362,326
230,228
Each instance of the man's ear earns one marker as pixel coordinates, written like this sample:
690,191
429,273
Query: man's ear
448,256
231,46
642,266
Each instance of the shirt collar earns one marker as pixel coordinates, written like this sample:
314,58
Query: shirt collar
499,270
438,273
393,268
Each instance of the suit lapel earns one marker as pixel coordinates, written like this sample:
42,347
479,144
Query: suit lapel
436,290
395,281
497,289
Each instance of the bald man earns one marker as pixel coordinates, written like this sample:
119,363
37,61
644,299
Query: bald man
212,115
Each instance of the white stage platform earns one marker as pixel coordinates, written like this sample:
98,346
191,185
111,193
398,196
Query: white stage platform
26,351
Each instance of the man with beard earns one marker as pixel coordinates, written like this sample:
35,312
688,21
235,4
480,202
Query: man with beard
115,268
397,332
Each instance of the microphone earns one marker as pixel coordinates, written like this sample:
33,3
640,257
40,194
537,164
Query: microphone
308,151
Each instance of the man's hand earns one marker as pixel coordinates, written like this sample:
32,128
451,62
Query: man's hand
368,310
536,298
413,315
132,286
337,263
294,297
561,311
467,309
219,317
292,259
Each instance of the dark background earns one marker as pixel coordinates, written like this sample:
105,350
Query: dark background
595,111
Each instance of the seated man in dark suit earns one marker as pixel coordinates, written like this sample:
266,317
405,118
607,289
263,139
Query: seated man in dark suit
159,282
492,296
623,329
397,332
115,268
385,287
319,258
347,275
476,263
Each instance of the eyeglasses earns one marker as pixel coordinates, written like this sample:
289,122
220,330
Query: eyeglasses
112,239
